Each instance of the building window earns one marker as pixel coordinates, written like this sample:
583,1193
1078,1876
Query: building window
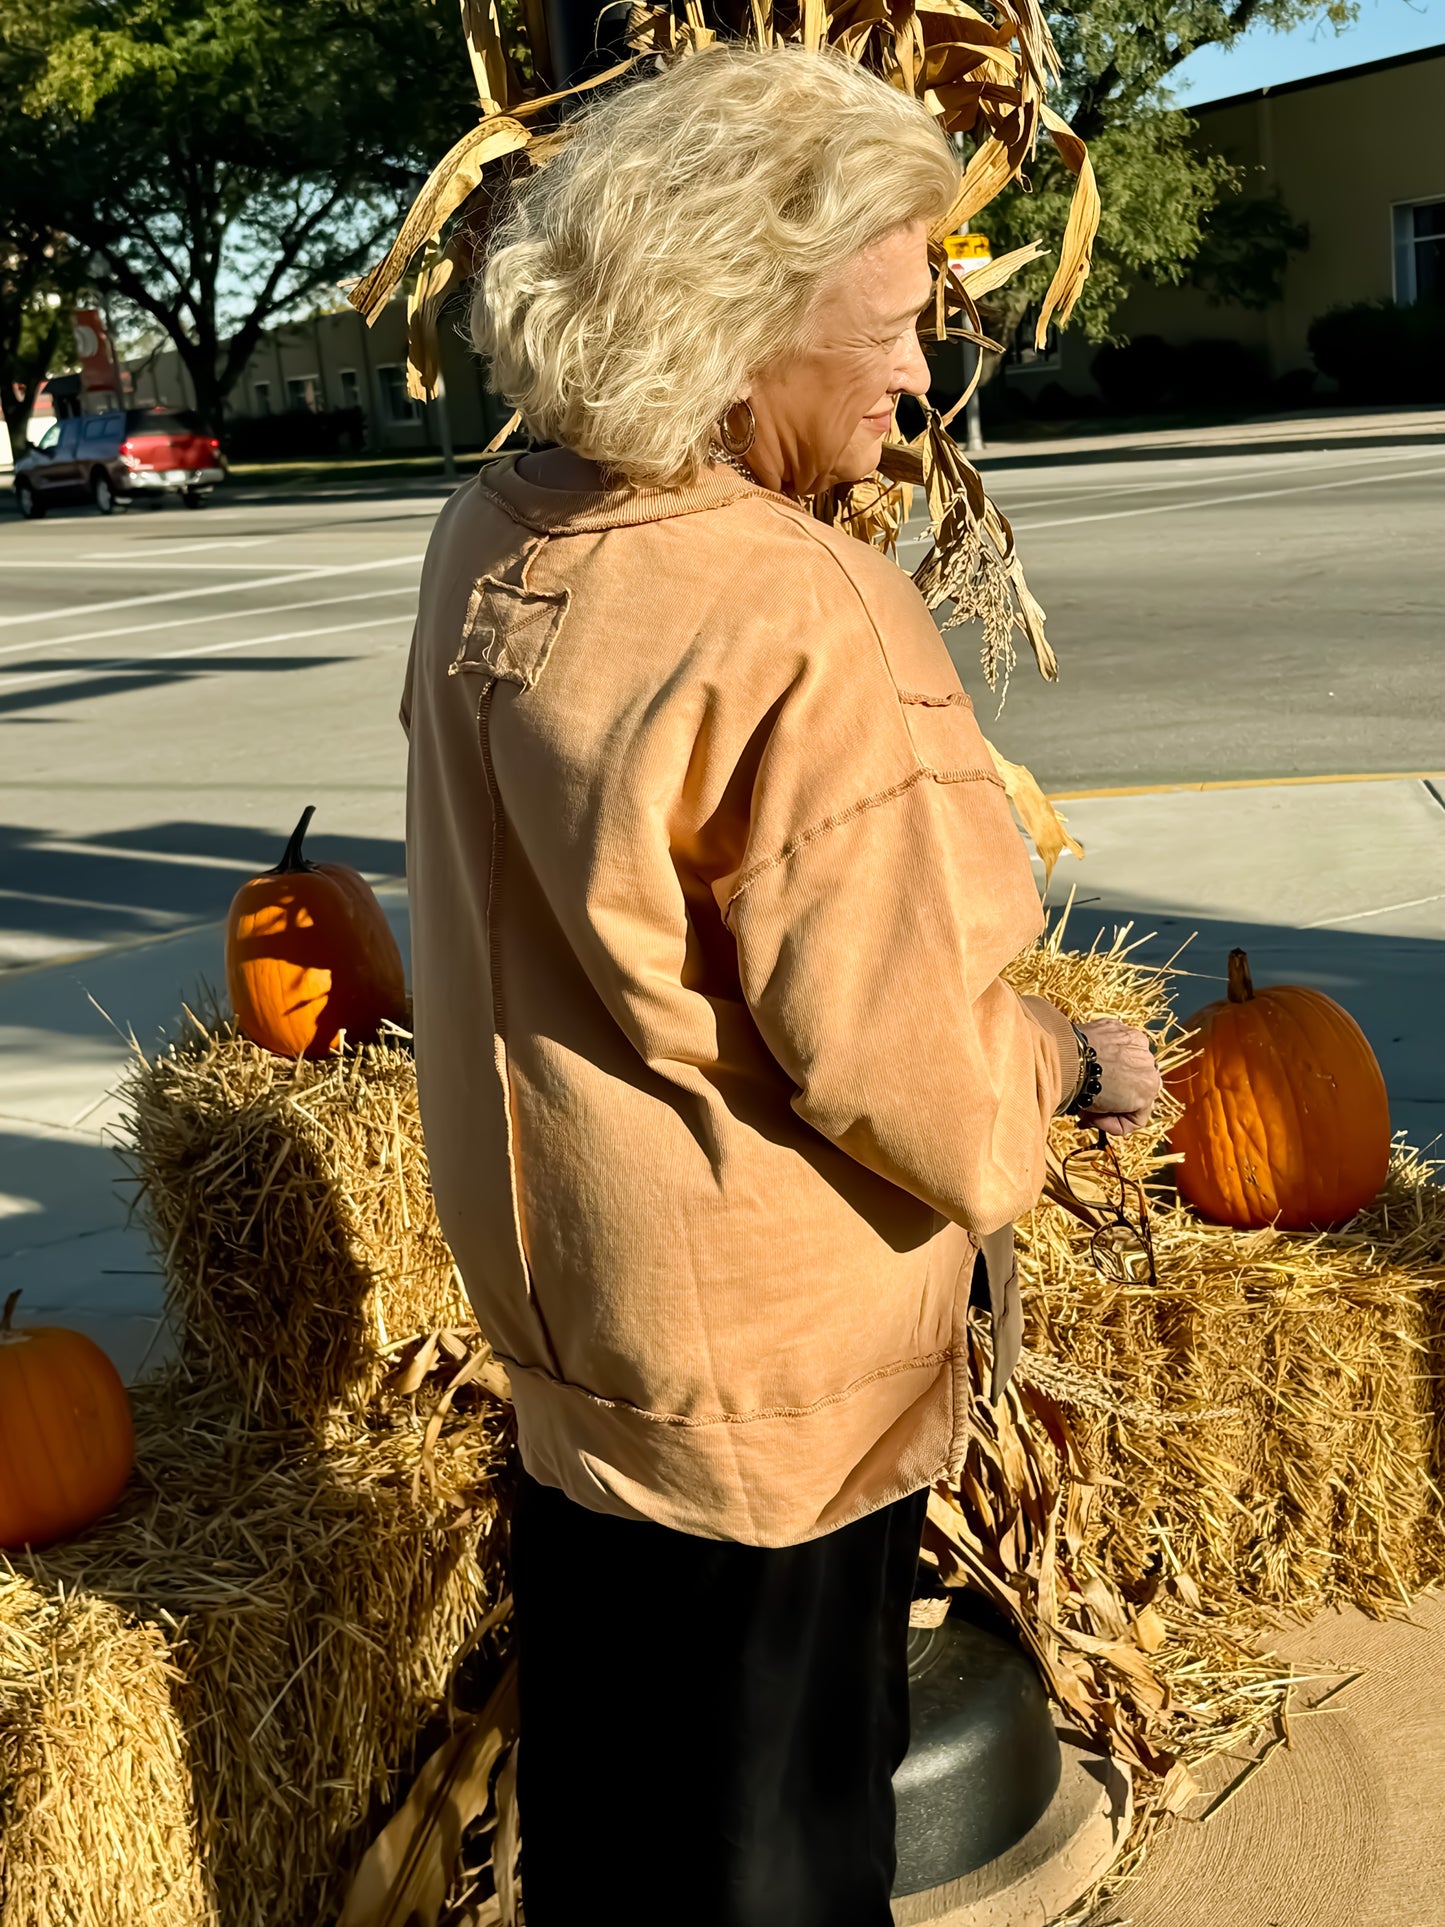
1420,251
261,390
397,403
301,392
350,389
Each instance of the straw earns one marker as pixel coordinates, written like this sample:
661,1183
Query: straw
96,1823
290,1207
312,1544
302,1612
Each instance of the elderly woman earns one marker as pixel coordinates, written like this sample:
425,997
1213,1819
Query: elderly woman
712,881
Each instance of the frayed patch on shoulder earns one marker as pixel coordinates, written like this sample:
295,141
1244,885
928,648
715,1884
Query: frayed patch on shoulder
509,631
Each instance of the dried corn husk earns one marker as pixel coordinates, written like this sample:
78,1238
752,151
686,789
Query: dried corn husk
983,79
406,1872
1038,815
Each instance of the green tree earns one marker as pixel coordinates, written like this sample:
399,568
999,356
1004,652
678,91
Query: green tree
1172,210
221,163
40,276
39,279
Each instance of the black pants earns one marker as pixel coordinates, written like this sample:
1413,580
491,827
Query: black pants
709,1731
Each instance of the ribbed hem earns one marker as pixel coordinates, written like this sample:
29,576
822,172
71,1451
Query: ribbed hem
772,1480
555,511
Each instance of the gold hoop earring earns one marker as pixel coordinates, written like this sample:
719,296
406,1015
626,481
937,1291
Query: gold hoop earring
735,443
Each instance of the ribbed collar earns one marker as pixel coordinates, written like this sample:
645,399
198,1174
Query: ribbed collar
557,511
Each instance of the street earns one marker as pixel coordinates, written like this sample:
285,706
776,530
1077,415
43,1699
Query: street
1228,614
174,687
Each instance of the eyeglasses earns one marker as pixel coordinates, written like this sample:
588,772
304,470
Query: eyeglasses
1114,1207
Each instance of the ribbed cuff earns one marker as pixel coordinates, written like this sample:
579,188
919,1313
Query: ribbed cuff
1054,1024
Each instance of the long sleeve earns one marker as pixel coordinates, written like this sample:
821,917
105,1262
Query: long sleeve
870,958
884,888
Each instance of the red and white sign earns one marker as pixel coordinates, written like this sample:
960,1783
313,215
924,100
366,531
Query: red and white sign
97,370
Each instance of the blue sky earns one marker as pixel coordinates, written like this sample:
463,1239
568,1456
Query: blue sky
1260,58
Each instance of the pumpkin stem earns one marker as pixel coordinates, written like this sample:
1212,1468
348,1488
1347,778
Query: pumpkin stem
292,859
1241,984
10,1303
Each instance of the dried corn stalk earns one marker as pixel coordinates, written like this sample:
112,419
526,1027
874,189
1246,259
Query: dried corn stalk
983,73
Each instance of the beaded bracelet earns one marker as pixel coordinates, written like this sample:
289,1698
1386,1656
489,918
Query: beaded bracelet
1092,1080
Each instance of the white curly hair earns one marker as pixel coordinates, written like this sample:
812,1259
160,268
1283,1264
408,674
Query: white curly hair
678,241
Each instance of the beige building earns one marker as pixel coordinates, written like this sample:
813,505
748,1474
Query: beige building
336,361
1359,157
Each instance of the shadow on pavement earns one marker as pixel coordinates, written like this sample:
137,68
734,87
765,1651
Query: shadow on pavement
1388,984
144,675
74,891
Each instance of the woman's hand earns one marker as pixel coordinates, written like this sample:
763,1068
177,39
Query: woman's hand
1131,1079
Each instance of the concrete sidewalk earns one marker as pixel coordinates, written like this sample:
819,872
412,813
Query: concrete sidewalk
1323,427
1339,885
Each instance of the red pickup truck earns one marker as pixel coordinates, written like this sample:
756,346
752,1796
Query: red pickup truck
111,459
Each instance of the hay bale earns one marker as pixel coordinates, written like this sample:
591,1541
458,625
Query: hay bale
312,1602
290,1207
1265,1412
1256,1429
97,1826
1293,1464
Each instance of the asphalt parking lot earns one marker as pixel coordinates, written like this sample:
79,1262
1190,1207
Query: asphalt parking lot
1231,613
175,688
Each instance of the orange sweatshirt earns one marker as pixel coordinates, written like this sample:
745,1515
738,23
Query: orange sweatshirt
711,882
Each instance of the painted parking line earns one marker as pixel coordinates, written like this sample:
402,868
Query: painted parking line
92,670
1047,493
195,622
1224,501
300,573
1201,475
139,547
132,561
1383,910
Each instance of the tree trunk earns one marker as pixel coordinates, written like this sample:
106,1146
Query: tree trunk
205,380
17,417
25,372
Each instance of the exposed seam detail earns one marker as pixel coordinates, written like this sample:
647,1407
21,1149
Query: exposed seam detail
494,866
959,698
921,774
598,522
967,774
530,552
494,965
929,1361
810,531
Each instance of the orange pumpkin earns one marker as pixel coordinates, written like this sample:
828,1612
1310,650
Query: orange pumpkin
66,1441
309,954
1286,1119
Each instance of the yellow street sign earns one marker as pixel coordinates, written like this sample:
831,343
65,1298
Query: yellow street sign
967,251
